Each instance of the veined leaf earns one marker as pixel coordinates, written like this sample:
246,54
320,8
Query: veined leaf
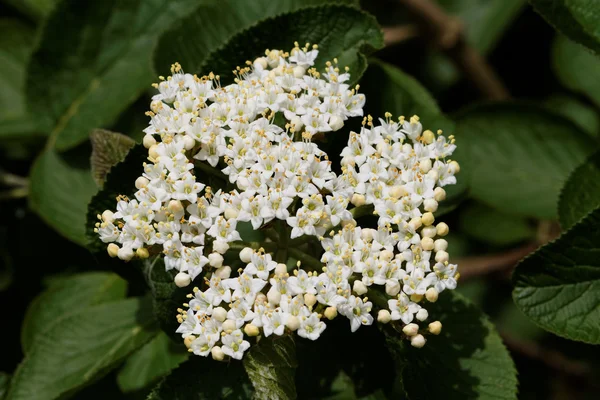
108,149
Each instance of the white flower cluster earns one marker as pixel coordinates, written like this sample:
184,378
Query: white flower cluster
256,136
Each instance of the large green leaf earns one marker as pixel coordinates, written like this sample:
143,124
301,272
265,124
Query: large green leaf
59,193
4,384
214,24
80,346
585,115
491,226
577,19
581,193
204,379
108,149
466,361
519,156
271,366
69,296
389,89
340,31
577,68
153,361
84,82
16,42
558,286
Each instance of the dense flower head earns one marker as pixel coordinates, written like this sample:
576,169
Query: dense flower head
256,138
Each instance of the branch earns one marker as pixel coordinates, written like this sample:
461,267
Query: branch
447,33
470,267
393,35
551,358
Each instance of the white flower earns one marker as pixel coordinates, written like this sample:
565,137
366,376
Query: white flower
357,312
234,344
311,327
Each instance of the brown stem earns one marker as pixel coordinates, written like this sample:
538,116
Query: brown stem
447,33
397,34
470,267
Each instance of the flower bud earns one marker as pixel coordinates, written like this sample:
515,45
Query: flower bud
366,234
386,255
182,279
281,269
427,218
431,295
246,254
310,299
358,200
435,327
392,288
125,253
418,341
112,249
331,313
442,229
428,231
141,182
261,298
422,314
229,325
415,223
433,175
439,194
274,296
230,213
148,141
152,152
260,62
335,123
440,245
293,323
411,329
428,137
299,71
454,167
398,191
142,253
384,316
425,165
427,243
215,259
251,330
108,216
220,246
217,354
296,124
430,205
441,256
220,314
223,272
188,341
188,142
175,206
359,288
416,298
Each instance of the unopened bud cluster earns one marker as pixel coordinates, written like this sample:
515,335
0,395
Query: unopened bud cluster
257,136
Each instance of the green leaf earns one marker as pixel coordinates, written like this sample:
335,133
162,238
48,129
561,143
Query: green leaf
340,31
60,192
577,19
16,43
495,227
36,9
580,113
577,68
80,346
202,378
119,181
466,361
153,361
581,193
214,24
108,149
558,286
519,156
271,366
389,89
4,384
70,295
85,82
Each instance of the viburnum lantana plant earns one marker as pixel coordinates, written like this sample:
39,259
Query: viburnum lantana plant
258,135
